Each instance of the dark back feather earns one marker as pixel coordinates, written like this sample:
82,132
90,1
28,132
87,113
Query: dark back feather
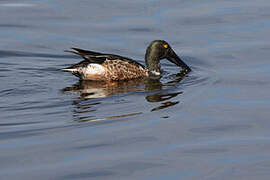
99,58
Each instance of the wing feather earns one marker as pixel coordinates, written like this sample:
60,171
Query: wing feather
97,57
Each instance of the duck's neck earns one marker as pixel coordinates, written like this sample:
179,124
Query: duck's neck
152,61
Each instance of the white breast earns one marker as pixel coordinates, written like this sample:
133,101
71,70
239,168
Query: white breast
156,73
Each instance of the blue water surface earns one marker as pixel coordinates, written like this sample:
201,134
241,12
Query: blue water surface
212,124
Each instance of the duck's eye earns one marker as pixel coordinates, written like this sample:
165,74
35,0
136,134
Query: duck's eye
165,46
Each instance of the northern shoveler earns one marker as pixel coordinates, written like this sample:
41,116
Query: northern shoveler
109,67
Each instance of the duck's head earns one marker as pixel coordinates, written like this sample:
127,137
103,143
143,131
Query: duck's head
158,50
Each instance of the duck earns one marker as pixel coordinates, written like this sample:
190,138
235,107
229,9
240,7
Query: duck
98,66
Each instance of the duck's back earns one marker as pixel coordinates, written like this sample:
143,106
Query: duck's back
119,69
105,67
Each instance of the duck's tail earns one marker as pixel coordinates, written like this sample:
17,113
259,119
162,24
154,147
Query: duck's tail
73,71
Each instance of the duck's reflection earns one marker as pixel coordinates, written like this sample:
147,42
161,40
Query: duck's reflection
156,92
159,97
95,89
163,97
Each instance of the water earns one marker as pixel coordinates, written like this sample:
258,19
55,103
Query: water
212,124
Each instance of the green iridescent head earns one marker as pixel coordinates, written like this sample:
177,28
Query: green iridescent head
160,49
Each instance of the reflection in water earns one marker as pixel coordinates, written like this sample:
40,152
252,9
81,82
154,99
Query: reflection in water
87,90
109,117
165,105
95,89
161,96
